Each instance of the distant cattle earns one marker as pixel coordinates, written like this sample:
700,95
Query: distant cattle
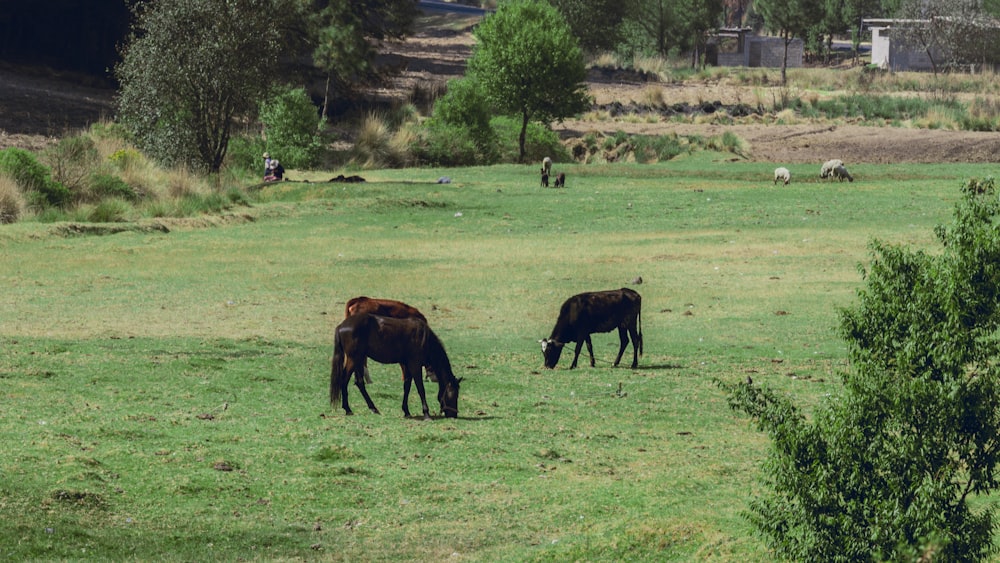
588,313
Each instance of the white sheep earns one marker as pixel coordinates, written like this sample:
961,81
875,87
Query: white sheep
827,170
842,174
782,174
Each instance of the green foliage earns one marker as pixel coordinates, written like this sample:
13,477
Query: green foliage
465,105
110,186
291,126
110,210
529,64
887,469
539,141
444,144
72,160
595,23
191,68
33,177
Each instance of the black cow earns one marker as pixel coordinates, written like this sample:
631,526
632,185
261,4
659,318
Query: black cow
588,313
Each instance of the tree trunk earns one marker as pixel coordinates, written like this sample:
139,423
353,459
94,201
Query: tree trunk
524,132
784,60
326,96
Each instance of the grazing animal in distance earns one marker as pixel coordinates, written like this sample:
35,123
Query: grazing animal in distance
827,169
842,174
588,313
387,340
385,308
546,171
545,178
782,174
561,180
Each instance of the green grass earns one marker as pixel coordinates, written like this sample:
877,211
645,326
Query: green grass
165,394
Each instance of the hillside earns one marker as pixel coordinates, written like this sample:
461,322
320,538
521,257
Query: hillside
36,107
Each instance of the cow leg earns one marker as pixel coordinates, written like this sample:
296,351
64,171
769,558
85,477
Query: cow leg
359,380
636,346
576,352
623,337
590,350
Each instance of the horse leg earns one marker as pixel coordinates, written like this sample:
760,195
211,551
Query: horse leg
576,353
359,380
406,392
623,337
590,350
415,376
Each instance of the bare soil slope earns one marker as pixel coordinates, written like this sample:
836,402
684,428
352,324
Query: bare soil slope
35,109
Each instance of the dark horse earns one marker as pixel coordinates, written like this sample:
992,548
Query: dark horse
385,308
407,342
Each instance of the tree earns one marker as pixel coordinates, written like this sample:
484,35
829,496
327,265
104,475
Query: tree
886,470
346,33
697,18
529,64
191,67
595,23
656,22
789,19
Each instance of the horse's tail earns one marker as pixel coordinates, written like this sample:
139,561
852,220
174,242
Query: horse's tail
638,322
337,368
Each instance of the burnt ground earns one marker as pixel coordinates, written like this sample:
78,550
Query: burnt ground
37,107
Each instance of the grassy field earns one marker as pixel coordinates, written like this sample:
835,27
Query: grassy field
165,395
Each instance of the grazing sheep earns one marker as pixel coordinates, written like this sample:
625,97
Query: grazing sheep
842,174
827,170
782,174
547,165
561,180
545,178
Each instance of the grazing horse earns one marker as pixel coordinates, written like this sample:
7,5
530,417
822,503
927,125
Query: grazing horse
387,340
385,308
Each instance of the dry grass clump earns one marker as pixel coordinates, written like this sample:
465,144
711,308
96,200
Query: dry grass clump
181,182
652,96
377,145
12,202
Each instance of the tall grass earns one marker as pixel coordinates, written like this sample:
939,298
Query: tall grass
12,201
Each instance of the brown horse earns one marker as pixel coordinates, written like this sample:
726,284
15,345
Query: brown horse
385,308
407,342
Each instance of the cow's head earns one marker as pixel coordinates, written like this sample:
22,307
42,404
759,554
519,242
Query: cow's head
551,350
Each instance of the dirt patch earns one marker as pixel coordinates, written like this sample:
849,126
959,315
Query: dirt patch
36,109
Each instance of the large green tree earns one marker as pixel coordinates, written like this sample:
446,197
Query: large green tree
789,19
529,64
885,470
191,67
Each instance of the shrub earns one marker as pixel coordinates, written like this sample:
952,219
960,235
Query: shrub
465,105
12,201
443,144
110,210
539,141
886,471
33,178
111,186
653,148
72,160
373,147
292,125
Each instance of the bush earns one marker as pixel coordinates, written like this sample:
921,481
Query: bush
12,202
110,211
442,144
886,470
72,160
110,186
33,178
291,124
539,141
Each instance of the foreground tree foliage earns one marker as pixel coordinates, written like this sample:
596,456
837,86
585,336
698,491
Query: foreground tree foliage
886,470
191,67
